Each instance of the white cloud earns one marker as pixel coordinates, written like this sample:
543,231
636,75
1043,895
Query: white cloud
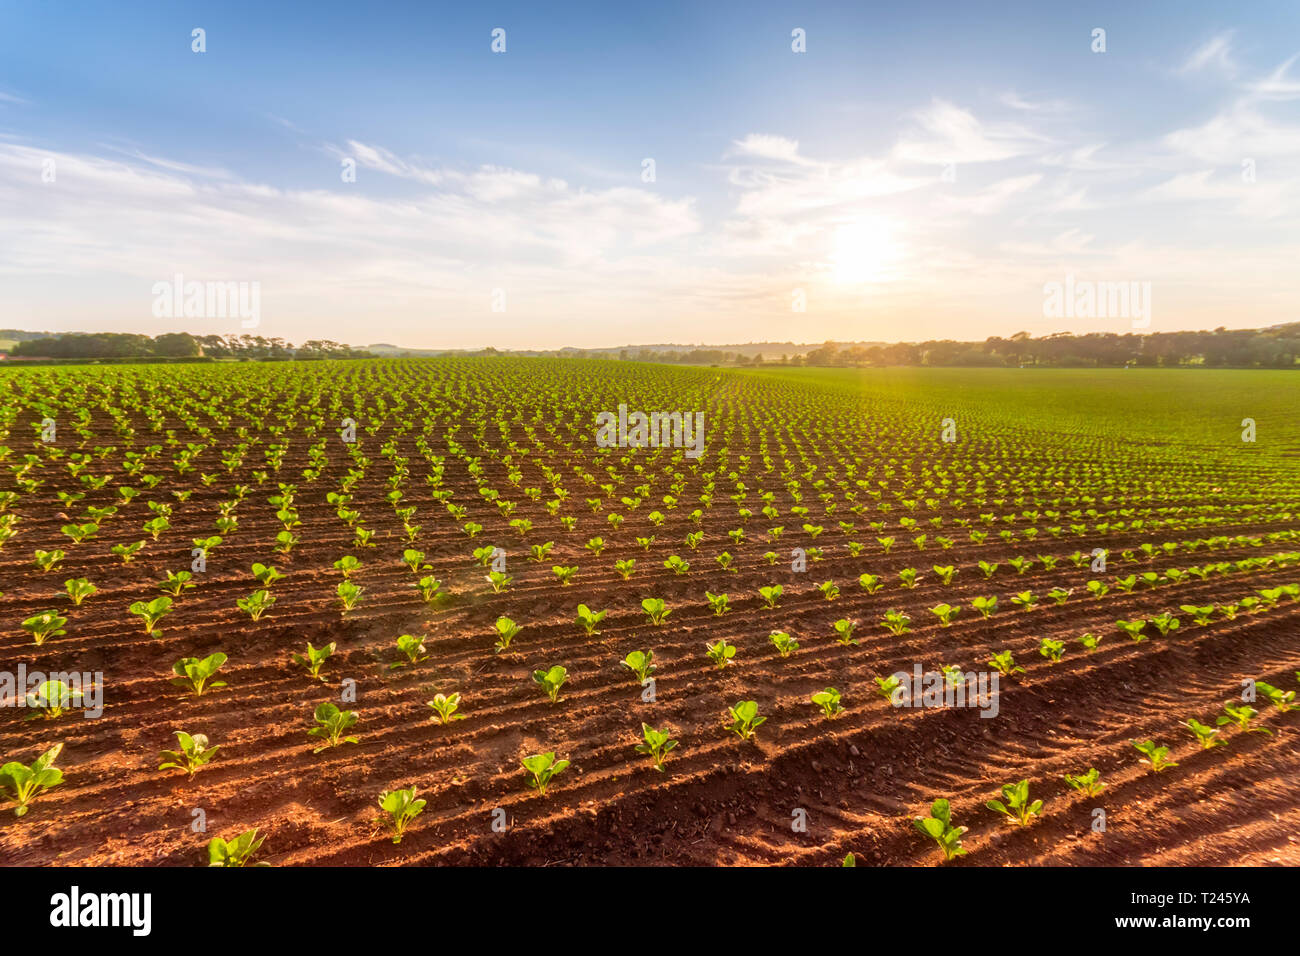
1216,52
948,134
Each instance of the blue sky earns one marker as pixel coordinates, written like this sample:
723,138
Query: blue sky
917,172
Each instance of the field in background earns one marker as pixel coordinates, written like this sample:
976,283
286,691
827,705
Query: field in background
849,467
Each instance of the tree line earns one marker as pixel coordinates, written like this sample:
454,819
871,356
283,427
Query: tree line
1275,347
180,345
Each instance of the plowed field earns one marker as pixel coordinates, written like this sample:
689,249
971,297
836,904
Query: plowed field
1072,472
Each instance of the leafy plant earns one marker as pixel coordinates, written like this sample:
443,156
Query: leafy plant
1156,756
656,745
656,610
334,723
256,604
1005,664
412,646
829,701
783,642
21,783
938,827
639,663
541,769
194,674
445,706
721,653
236,852
315,658
79,589
506,630
194,752
1089,784
552,680
402,806
744,719
1016,805
1207,737
45,625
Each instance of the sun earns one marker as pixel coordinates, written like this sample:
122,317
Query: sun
863,251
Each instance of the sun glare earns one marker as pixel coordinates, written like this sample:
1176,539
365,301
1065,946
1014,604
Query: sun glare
863,251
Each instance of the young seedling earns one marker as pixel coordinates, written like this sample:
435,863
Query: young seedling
1165,622
349,594
552,680
896,623
771,595
783,642
589,620
51,699
886,687
844,629
985,605
1241,716
871,583
402,806
265,574
1157,757
718,602
1282,700
334,723
677,565
744,719
1060,595
565,573
721,653
21,782
829,701
428,586
1207,737
177,581
255,605
1200,615
445,706
315,658
1090,642
45,625
656,610
193,754
1133,629
1005,664
541,769
656,746
1089,784
236,852
48,560
194,674
945,613
1017,807
506,631
348,565
78,590
938,827
1026,600
1051,649
151,613
413,647
639,663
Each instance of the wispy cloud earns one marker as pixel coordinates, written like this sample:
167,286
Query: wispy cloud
1215,52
